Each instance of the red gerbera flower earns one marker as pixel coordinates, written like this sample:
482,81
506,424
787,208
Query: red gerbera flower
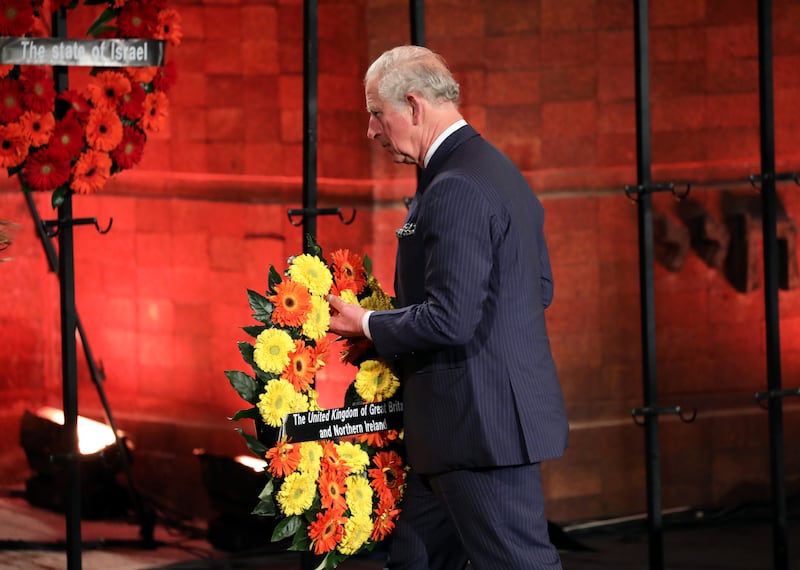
283,459
169,27
45,170
108,89
10,100
38,128
76,105
103,129
68,137
91,172
165,76
129,152
39,89
132,102
138,20
327,531
16,17
155,111
13,145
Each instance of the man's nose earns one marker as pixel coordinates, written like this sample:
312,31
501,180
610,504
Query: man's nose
372,130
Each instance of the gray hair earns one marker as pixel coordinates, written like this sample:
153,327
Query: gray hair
413,69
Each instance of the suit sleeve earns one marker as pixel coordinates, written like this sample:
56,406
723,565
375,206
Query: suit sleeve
546,270
457,227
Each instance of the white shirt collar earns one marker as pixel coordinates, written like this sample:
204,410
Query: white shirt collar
440,139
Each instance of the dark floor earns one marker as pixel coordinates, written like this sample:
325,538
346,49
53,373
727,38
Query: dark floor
736,538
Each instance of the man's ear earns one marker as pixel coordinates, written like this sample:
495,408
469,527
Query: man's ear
416,108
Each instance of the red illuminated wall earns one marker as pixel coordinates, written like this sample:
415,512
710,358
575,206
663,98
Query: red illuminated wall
162,296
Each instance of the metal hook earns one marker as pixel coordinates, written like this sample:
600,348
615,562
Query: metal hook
108,227
686,418
632,193
349,220
682,195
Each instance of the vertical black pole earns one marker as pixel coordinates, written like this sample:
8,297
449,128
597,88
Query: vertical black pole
646,284
69,359
768,222
310,66
309,120
417,14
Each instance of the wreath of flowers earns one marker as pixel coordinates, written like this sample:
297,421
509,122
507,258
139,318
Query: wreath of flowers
76,140
335,497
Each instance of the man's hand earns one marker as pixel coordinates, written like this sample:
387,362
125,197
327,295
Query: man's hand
346,319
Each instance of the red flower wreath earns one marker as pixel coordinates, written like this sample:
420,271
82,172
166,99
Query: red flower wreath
75,140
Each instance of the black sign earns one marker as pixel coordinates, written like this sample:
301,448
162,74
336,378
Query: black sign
89,53
342,422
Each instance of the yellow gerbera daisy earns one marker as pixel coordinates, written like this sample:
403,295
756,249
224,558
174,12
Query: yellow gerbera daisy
349,297
313,400
311,272
375,381
356,532
272,350
310,458
353,456
279,398
358,495
296,493
319,318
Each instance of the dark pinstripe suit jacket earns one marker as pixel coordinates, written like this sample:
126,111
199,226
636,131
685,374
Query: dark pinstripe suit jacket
473,278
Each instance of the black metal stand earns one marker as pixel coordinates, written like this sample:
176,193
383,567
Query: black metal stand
775,394
643,192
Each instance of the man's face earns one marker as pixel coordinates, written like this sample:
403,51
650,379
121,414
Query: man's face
391,126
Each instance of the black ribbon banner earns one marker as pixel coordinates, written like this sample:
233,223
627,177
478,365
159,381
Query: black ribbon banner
342,422
112,52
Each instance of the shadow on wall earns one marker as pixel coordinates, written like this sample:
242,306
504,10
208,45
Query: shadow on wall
733,245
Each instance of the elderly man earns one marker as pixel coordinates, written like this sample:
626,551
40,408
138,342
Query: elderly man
482,402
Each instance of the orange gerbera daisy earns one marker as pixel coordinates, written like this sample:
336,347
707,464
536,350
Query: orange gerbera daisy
331,490
108,89
378,439
349,267
385,515
13,145
38,127
104,129
331,462
91,172
169,27
283,459
300,371
327,531
292,303
388,476
45,170
142,74
322,351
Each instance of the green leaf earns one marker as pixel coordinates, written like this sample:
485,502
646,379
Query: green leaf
253,443
333,559
288,527
59,194
248,414
264,509
312,247
367,264
301,542
254,330
246,386
106,16
262,308
273,279
266,492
